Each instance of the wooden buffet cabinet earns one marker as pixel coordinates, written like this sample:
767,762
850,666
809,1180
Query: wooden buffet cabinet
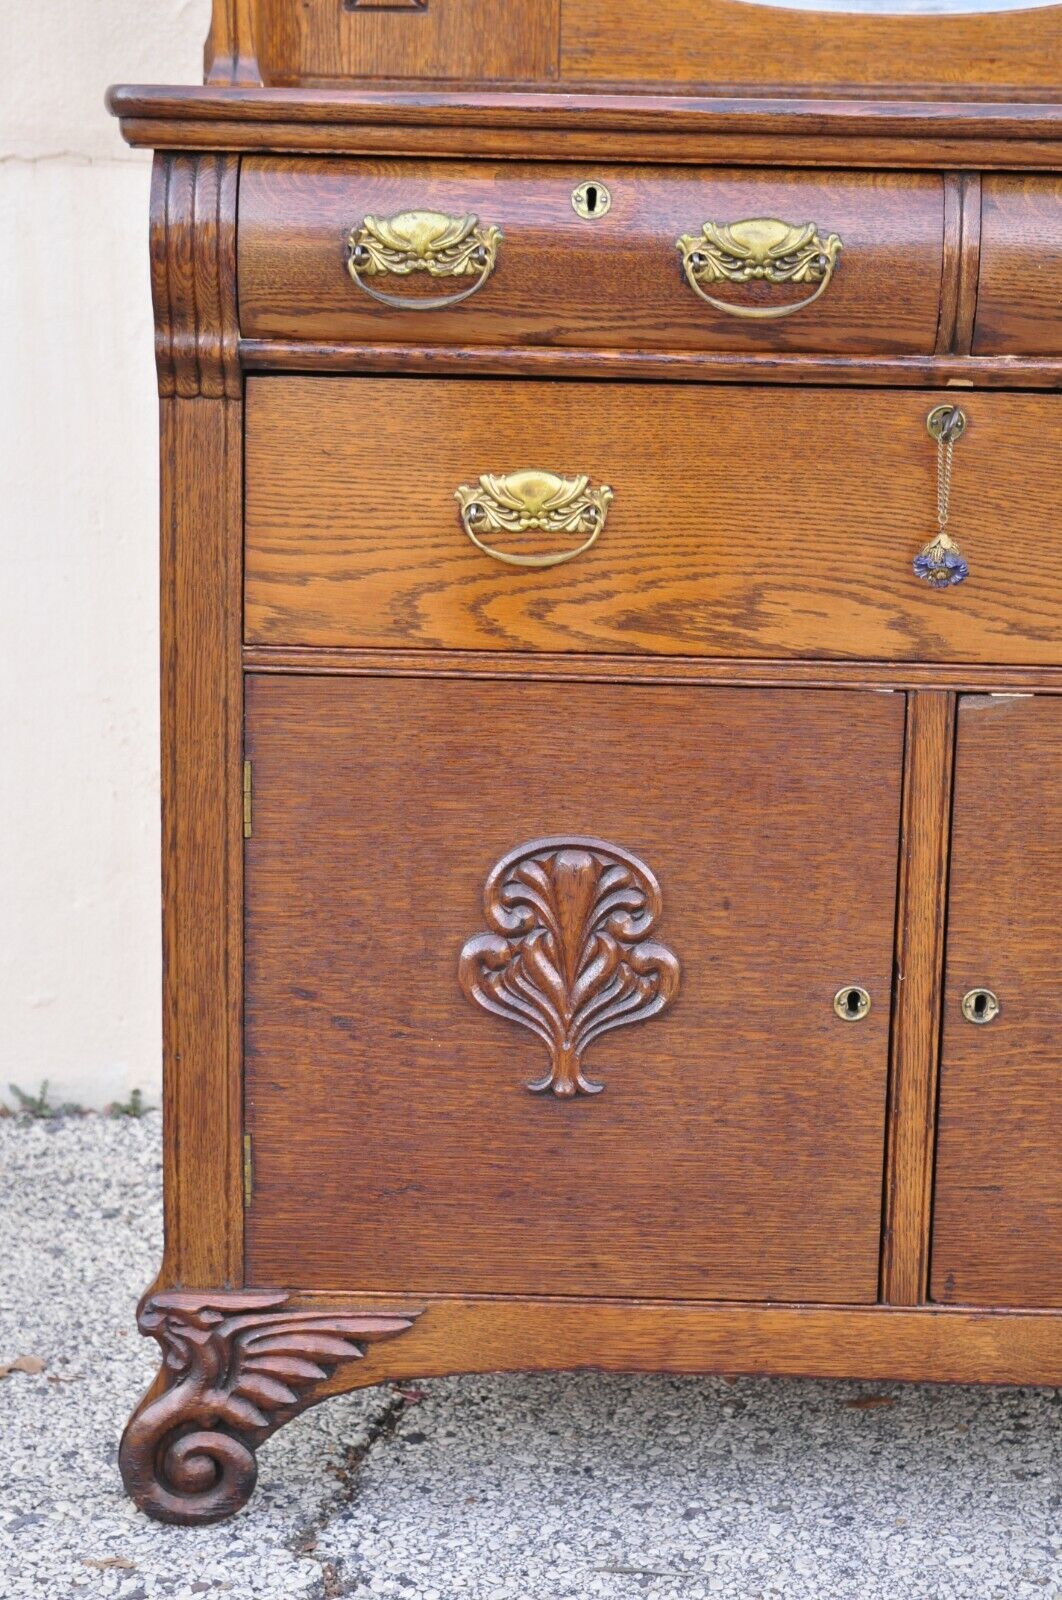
610,575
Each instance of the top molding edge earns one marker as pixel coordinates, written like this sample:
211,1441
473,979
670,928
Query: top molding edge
559,112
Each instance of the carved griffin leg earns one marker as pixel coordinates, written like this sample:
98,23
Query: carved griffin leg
235,1367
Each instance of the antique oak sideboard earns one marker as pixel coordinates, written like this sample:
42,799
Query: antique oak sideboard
612,743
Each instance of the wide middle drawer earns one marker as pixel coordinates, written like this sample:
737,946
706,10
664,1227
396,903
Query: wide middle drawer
742,522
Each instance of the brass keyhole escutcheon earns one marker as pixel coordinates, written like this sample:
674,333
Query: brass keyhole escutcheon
851,1003
947,423
591,200
980,1006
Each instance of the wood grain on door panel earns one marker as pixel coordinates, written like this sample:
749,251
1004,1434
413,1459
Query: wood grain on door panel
318,41
614,280
746,522
736,1151
997,1236
745,46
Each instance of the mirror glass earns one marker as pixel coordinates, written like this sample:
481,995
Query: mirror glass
906,8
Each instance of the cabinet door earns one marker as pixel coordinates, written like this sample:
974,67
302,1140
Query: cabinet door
735,1148
997,1237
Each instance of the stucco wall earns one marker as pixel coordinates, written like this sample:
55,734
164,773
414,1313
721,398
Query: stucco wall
79,835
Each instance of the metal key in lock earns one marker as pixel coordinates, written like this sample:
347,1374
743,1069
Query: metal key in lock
941,563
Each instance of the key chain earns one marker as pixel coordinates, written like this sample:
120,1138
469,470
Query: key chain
941,563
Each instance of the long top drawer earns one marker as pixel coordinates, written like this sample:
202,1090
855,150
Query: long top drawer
769,260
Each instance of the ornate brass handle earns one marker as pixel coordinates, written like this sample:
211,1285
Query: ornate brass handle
518,502
761,249
422,241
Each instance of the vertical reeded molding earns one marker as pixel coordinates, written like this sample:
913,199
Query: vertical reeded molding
193,275
230,56
193,265
915,1057
961,263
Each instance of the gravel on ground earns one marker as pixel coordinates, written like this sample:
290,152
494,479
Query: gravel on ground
557,1487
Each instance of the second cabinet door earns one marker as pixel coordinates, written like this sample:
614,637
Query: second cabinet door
997,1235
715,863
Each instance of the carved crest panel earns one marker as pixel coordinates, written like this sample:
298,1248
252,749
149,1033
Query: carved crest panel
568,955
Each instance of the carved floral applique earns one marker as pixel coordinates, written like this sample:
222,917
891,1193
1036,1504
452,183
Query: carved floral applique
569,957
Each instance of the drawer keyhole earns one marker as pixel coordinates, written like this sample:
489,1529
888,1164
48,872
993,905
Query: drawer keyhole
591,199
851,1003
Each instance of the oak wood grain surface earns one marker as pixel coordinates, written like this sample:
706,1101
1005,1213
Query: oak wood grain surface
325,40
854,113
917,996
997,1236
1019,296
932,1345
745,522
961,191
193,280
230,54
558,668
968,266
736,1151
760,128
685,366
193,275
717,41
613,281
694,41
202,860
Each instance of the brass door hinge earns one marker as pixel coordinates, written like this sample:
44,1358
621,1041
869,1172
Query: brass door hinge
248,1172
247,800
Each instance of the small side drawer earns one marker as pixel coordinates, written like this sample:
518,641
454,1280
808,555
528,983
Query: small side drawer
742,521
1019,296
613,278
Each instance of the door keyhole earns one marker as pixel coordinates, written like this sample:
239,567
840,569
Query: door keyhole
980,1006
851,1003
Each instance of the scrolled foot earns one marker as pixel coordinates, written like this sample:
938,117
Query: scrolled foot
236,1366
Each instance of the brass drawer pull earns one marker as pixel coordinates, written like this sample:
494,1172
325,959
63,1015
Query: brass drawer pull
517,502
761,249
422,241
